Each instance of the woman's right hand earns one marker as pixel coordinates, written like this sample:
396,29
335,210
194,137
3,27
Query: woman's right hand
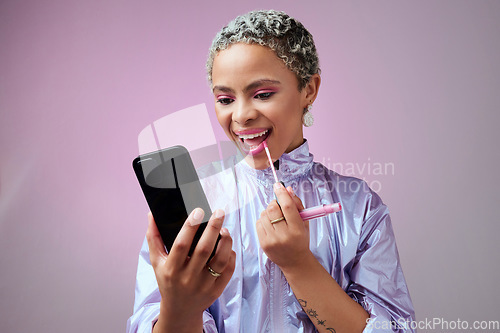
186,286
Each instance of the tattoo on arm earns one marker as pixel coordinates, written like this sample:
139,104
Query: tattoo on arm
314,315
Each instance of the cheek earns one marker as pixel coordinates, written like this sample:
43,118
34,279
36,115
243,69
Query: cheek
224,120
221,117
288,117
287,108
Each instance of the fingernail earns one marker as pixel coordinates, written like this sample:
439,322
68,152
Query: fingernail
290,190
196,216
277,186
219,213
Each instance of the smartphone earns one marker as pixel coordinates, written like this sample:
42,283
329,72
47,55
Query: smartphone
172,189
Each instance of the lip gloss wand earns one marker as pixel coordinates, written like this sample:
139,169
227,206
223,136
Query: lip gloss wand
308,213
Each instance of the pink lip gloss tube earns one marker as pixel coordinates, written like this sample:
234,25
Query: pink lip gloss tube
319,211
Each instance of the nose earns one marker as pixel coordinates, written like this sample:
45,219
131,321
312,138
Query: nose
244,113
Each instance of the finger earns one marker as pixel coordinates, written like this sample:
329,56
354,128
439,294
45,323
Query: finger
298,204
295,198
287,204
222,255
227,273
262,224
274,213
184,239
157,250
259,226
208,239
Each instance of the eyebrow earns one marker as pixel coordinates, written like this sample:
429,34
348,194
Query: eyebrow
251,86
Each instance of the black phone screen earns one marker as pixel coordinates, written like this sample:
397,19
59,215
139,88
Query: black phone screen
172,189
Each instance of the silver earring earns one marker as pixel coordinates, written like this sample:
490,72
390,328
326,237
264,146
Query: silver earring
307,117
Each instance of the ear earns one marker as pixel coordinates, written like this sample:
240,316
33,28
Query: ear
311,89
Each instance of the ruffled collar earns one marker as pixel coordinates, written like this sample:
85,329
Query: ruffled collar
292,165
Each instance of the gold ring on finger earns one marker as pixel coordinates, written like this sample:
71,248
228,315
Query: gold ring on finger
278,220
212,272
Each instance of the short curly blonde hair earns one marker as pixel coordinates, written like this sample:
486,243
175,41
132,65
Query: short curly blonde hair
286,36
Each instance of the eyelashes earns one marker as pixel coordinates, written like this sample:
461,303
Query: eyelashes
225,100
264,95
261,95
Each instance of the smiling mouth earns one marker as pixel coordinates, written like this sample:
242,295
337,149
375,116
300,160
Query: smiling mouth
249,137
252,143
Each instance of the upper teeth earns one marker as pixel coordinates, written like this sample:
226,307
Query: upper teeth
251,136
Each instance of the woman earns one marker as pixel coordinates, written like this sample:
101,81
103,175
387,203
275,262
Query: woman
273,272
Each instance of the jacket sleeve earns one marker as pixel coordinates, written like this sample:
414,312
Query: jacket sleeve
377,279
147,299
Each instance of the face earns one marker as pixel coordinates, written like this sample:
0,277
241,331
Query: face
257,99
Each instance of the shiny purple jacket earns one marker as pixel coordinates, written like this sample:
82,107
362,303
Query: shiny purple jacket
356,246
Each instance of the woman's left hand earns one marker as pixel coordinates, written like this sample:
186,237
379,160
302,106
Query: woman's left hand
285,242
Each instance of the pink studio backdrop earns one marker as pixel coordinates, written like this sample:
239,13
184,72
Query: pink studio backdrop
409,101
